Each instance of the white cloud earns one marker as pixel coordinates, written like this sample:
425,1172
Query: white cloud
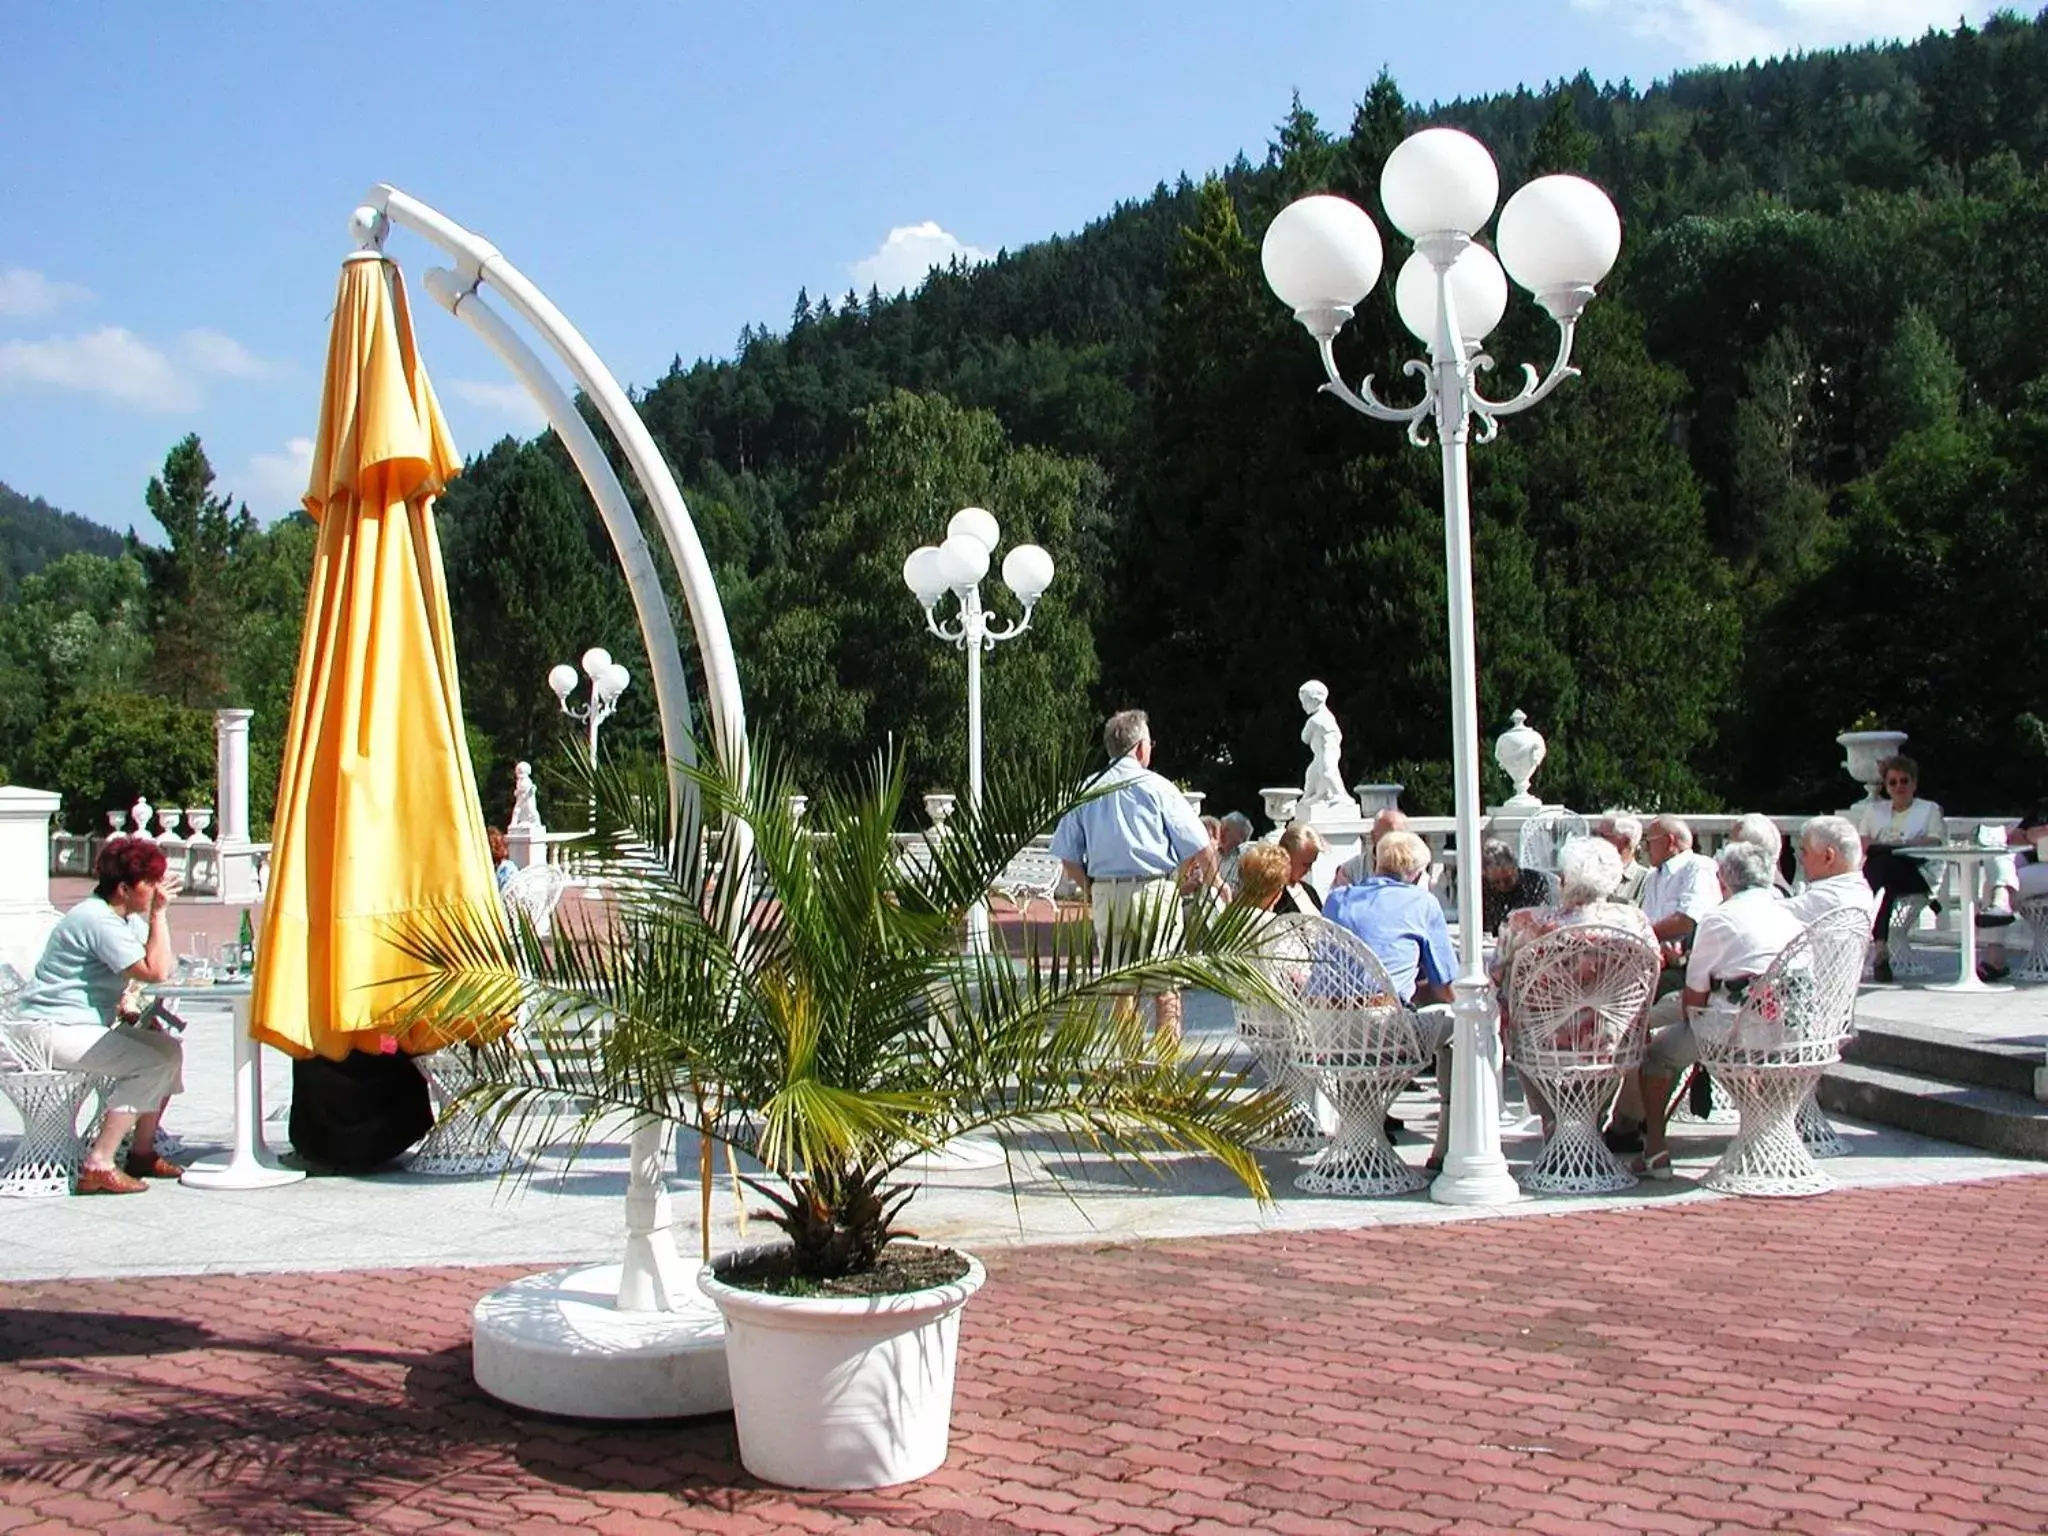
1736,31
212,352
111,361
23,292
507,401
910,251
275,483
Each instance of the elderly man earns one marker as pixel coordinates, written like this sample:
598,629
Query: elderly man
1399,921
1734,942
1126,846
1759,829
1358,868
1682,887
1625,833
1235,831
1831,856
1303,845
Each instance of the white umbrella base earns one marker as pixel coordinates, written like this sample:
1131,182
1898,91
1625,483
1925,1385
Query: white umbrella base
558,1343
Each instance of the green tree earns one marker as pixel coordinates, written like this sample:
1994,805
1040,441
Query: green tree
74,628
193,605
840,659
101,751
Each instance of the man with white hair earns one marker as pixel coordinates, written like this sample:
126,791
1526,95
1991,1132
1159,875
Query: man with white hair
1734,943
1126,846
1400,922
1235,831
1357,869
1682,887
1625,834
1831,856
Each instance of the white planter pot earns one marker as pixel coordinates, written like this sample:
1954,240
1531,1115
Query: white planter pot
1862,751
841,1392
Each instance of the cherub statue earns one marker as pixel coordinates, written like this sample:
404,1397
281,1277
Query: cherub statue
1323,785
525,811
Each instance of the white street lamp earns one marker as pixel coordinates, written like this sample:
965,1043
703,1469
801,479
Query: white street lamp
1557,237
608,680
957,566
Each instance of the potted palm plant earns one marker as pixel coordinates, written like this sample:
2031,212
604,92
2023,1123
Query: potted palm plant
800,993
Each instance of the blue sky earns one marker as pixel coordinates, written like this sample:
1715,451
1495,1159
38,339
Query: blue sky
177,180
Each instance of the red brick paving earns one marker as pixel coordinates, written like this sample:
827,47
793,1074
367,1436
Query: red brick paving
1865,1363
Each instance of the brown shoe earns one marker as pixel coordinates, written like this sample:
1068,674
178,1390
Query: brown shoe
108,1181
155,1166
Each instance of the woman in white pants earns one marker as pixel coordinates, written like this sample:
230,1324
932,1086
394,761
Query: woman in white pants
118,934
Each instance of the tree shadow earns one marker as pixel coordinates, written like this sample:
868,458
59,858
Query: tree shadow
40,1333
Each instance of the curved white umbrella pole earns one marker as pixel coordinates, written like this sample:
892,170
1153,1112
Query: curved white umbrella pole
652,1278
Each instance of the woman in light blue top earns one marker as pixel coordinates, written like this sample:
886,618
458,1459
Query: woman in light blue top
118,934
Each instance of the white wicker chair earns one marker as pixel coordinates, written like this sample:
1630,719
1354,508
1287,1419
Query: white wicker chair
537,891
1576,1001
1361,1045
1268,1030
2033,912
462,1144
48,1098
1544,836
1770,1052
1905,960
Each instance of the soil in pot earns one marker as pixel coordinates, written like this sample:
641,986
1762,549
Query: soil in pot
902,1267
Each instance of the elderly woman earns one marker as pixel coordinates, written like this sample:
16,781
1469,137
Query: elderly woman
1589,870
1900,820
116,935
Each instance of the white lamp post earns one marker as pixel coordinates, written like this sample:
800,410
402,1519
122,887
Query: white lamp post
608,680
1557,237
957,566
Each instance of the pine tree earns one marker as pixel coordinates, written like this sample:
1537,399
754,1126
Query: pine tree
192,604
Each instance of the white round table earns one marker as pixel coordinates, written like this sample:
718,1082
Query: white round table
1966,857
249,1165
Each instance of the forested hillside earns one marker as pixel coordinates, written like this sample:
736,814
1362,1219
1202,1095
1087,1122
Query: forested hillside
1802,484
33,533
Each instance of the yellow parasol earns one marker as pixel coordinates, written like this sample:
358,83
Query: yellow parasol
377,815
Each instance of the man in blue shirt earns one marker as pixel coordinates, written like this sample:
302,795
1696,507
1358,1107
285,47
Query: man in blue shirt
1400,922
1125,848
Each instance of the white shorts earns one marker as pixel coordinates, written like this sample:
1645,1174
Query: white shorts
1125,910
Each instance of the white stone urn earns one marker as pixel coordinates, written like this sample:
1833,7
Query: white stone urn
798,804
1520,751
938,807
197,820
1194,798
167,819
1280,802
1862,751
1374,798
140,815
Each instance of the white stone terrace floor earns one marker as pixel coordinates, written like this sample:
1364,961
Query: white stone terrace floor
574,1212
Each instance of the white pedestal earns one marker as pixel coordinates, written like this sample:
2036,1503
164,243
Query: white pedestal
26,916
558,1343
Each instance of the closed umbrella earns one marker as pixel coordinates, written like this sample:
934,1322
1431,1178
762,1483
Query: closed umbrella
377,820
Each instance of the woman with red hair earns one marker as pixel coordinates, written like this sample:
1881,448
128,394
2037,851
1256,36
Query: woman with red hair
116,935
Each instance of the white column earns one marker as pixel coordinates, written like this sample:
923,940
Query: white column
231,804
26,915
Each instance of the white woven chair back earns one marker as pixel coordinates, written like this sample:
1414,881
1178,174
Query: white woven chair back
1576,995
537,891
1804,1005
1544,836
1348,1017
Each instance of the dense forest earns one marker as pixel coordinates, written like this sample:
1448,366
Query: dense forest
1802,484
33,533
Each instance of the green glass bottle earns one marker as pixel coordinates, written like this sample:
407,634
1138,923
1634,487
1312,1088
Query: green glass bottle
245,945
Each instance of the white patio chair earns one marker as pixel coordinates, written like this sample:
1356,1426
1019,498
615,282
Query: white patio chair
1361,1045
2033,911
1576,1002
1268,1030
537,891
1032,875
1771,1050
1543,838
462,1143
47,1097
